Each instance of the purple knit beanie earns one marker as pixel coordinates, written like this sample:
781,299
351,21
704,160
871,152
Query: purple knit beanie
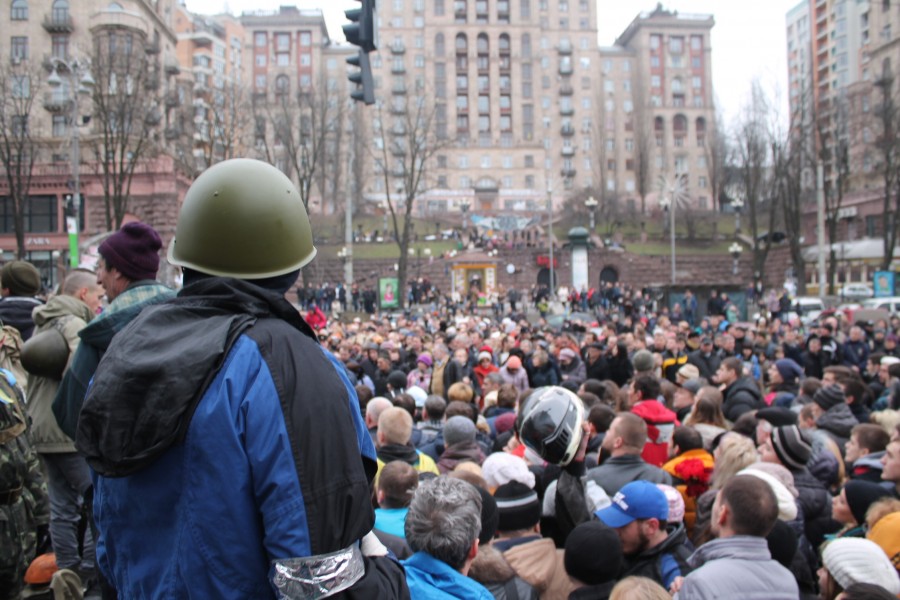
133,251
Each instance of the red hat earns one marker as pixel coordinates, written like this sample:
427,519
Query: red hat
514,362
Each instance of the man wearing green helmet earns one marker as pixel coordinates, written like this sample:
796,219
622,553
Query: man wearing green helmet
229,454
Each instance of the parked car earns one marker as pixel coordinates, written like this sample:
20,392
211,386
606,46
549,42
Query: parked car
889,303
856,291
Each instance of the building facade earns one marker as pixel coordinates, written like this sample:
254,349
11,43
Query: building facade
127,49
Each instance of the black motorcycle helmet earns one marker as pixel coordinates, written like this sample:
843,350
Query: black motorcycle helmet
550,423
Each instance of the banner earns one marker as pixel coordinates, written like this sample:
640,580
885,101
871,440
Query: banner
388,292
884,284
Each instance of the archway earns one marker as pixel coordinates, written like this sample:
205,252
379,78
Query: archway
543,278
608,275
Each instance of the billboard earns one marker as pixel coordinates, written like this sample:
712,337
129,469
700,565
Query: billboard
388,292
884,284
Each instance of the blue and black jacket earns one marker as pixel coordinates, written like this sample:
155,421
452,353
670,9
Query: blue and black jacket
225,442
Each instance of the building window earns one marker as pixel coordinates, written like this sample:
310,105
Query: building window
260,60
654,41
59,125
60,11
259,39
59,46
525,9
655,81
282,85
19,47
676,44
19,10
40,215
439,8
305,38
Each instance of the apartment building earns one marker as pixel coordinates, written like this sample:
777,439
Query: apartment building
527,107
41,41
512,88
659,115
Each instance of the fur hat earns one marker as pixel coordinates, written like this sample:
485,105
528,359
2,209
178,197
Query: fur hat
676,503
787,503
518,505
791,446
21,278
133,251
689,371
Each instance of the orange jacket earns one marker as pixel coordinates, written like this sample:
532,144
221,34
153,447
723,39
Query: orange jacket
691,479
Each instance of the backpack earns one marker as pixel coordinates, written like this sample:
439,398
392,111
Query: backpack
11,355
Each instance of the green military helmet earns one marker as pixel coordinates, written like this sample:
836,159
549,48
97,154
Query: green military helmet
242,218
46,354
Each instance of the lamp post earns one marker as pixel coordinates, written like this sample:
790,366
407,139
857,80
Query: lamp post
668,205
735,250
384,210
550,238
78,82
737,204
591,205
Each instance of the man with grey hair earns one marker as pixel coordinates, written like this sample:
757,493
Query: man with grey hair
442,528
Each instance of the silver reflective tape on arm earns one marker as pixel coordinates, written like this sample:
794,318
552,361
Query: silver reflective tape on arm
319,576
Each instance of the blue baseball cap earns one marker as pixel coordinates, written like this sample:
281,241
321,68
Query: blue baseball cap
636,500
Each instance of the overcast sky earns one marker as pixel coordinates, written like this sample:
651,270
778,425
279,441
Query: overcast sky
748,39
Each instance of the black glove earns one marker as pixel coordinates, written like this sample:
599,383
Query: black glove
44,544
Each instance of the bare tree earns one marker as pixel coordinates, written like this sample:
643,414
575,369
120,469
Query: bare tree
643,150
126,113
790,157
404,153
716,153
228,119
304,124
19,86
752,145
834,137
886,118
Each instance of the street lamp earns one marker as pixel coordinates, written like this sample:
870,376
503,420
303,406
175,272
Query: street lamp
735,250
591,205
384,210
737,204
668,205
78,81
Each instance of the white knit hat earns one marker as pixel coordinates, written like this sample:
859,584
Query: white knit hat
787,504
503,467
858,560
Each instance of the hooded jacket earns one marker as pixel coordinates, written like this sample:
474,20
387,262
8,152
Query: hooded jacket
815,503
491,570
665,561
541,564
431,578
868,467
457,453
737,567
16,311
837,422
95,339
661,424
71,315
216,421
740,397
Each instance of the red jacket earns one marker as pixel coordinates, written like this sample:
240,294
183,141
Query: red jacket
661,424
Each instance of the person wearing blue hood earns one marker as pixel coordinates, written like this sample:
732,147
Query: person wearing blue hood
784,376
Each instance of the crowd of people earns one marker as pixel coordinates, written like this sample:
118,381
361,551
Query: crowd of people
726,457
213,444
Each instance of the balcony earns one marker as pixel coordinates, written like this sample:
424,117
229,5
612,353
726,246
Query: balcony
152,48
567,130
568,172
398,48
172,133
565,67
57,100
399,88
172,100
58,22
564,47
568,150
398,69
118,19
566,90
567,110
152,83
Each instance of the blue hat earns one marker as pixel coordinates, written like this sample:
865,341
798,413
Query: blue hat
636,500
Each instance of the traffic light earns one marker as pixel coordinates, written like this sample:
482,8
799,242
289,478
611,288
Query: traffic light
365,86
362,32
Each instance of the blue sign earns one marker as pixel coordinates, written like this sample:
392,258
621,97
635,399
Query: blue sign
884,284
